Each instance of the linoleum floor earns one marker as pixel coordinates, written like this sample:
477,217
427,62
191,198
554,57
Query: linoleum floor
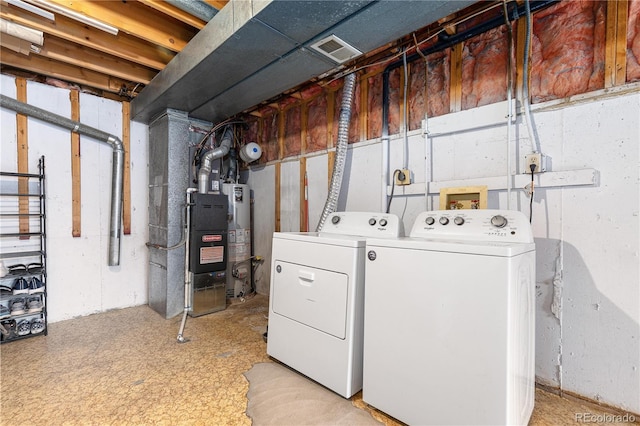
125,367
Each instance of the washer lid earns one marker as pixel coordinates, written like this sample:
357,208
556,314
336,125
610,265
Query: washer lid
487,248
356,241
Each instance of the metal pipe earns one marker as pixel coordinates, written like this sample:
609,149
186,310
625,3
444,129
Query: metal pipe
187,272
210,156
117,176
509,101
196,8
341,150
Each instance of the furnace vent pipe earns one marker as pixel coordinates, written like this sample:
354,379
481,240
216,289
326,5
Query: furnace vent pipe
210,156
341,150
118,163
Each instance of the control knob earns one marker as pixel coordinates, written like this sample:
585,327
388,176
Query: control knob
429,220
335,220
444,220
372,221
459,220
499,221
383,222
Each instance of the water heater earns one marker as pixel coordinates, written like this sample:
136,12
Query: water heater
239,240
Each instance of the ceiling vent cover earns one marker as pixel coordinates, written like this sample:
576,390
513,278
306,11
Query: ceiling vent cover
336,49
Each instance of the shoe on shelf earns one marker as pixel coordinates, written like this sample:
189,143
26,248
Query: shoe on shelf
18,269
9,331
34,268
17,306
35,286
4,312
20,286
34,304
24,328
37,325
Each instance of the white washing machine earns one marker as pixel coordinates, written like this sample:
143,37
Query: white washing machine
449,320
317,297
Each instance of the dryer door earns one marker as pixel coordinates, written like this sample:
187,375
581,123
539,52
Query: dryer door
311,296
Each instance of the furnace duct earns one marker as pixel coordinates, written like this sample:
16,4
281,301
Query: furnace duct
118,163
210,156
341,150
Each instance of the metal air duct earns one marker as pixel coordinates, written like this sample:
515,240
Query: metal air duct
118,162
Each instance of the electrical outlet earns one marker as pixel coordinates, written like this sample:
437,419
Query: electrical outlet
405,174
537,159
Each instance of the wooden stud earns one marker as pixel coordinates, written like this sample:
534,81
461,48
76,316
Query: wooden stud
126,186
304,205
521,36
76,193
364,110
616,43
456,78
174,12
23,156
277,194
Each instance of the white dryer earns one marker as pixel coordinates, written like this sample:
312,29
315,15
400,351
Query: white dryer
449,320
317,297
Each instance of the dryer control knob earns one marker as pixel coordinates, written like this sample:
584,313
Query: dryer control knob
429,221
444,220
383,222
499,221
372,221
335,219
458,220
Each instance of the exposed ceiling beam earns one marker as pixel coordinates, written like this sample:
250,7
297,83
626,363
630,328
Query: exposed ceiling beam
52,68
179,14
123,45
64,51
135,19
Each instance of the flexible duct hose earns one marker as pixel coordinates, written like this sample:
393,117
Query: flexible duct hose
341,150
214,154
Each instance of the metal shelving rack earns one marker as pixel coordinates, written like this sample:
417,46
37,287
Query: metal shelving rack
28,254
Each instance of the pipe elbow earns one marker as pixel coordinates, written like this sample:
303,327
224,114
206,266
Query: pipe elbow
116,143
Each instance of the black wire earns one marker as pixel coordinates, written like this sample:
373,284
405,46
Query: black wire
393,186
531,200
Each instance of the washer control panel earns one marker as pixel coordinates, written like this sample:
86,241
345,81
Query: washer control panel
486,225
363,224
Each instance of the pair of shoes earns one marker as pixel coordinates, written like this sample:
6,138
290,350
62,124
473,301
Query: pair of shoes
35,286
24,328
9,331
34,304
17,306
4,312
37,325
21,269
20,286
30,327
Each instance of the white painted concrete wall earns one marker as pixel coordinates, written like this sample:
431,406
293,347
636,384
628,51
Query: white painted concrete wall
79,282
587,236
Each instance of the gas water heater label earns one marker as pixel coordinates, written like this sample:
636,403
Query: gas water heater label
211,255
211,238
238,193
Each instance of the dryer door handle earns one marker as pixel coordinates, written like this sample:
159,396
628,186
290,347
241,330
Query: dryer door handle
306,276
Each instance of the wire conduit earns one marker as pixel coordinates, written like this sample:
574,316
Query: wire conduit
117,177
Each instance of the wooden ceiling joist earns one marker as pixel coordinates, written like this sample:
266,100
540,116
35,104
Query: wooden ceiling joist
217,4
64,51
63,71
135,19
123,45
